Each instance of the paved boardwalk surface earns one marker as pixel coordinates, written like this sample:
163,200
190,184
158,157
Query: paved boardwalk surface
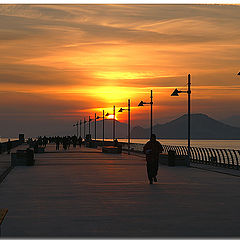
91,194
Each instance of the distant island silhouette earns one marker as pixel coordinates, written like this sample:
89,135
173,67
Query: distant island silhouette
202,127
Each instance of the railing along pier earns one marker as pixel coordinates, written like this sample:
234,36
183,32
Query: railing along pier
228,158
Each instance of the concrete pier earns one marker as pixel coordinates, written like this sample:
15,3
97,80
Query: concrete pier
86,193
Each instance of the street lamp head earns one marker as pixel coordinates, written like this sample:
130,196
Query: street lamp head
175,92
120,110
140,104
97,117
238,74
107,114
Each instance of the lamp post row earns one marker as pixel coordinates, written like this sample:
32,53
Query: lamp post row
127,109
89,120
84,122
114,121
175,93
141,104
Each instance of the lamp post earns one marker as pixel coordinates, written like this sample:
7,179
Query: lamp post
127,109
151,114
80,131
76,125
102,127
114,121
95,127
175,93
84,122
89,122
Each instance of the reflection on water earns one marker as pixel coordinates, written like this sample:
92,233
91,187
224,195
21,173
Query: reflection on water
224,144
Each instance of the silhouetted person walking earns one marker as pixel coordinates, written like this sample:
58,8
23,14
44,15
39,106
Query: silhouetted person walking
65,143
35,143
115,143
152,149
57,143
80,141
45,141
74,141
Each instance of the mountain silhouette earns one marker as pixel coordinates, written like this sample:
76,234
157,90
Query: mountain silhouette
232,120
202,127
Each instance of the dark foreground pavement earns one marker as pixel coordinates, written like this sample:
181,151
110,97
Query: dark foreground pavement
91,194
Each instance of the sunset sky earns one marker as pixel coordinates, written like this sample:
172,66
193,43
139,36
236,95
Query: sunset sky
60,63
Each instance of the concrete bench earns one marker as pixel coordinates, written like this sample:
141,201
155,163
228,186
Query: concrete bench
111,149
91,144
23,158
3,213
180,160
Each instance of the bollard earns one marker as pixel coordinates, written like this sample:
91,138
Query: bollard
171,158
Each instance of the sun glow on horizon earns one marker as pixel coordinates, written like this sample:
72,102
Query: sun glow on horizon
111,116
112,94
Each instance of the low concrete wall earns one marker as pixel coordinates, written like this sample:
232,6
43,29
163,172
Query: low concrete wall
91,144
111,149
180,160
22,158
105,143
3,147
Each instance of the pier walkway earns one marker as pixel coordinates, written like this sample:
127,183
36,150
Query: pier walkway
85,193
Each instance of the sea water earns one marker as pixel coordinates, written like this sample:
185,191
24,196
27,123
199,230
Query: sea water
223,144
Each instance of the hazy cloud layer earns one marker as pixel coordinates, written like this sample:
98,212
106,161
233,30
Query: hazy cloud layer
68,59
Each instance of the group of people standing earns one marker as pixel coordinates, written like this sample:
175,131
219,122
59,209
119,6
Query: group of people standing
66,141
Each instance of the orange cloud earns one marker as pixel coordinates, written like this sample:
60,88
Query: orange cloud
69,61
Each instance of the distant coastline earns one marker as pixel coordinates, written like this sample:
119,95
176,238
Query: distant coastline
4,139
207,143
